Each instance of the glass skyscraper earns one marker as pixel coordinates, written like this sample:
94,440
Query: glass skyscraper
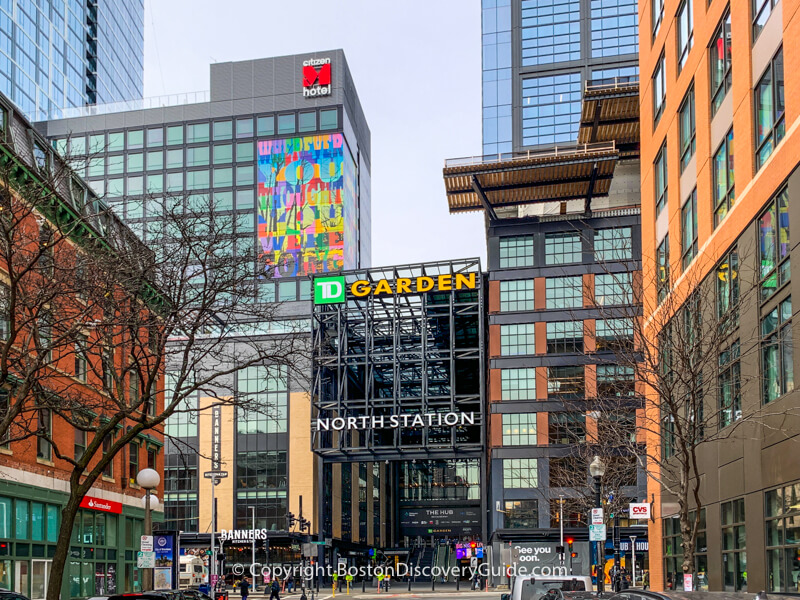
56,54
537,56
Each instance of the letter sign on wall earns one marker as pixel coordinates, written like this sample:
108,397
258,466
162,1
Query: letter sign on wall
639,510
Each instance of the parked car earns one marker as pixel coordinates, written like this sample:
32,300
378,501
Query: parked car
9,595
194,595
636,594
528,587
142,596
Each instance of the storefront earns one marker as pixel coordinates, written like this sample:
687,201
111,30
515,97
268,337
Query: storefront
103,546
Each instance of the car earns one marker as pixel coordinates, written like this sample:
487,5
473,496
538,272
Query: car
191,594
153,595
637,594
528,587
9,595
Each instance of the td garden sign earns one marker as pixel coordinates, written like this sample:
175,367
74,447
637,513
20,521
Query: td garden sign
333,290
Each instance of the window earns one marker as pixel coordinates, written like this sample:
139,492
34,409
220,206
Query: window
568,472
613,244
174,158
286,123
197,157
689,229
516,295
44,428
517,339
551,107
613,288
5,313
520,514
223,130
80,443
244,151
45,326
265,392
615,381
155,160
196,180
770,110
223,177
175,135
762,9
308,122
659,89
155,137
777,370
685,32
516,251
566,382
197,132
773,245
5,406
730,385
657,15
564,292
519,429
562,248
567,428
662,269
782,512
108,471
687,125
151,458
245,175
720,54
40,156
518,384
673,551
615,335
728,284
133,461
724,193
328,119
244,127
734,557
81,357
564,336
223,154
265,125
660,178
520,473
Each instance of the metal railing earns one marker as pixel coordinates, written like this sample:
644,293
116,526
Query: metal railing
138,104
554,151
611,83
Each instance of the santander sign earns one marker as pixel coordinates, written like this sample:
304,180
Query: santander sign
108,506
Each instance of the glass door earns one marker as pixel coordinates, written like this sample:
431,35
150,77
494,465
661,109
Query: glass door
22,580
40,575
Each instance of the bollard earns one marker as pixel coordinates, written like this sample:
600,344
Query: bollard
458,582
363,585
348,587
409,582
433,583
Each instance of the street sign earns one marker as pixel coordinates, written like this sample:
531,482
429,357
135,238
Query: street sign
147,543
146,560
215,474
597,533
319,542
597,516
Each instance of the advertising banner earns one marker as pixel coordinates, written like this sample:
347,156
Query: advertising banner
164,560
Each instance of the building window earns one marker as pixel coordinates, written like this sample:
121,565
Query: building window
689,229
108,471
685,32
564,292
615,381
687,125
615,28
613,244
720,54
659,89
133,461
615,335
770,110
516,251
660,178
762,9
564,336
567,428
519,429
566,382
551,108
265,125
521,514
673,552
520,473
307,122
264,391
777,370
517,339
568,472
516,295
547,39
662,266
80,443
657,15
734,557
562,248
286,123
5,405
261,470
81,358
328,119
44,430
724,193
197,133
728,284
518,384
613,289
773,245
782,512
730,385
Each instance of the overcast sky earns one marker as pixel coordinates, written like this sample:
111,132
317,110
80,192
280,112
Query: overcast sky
416,65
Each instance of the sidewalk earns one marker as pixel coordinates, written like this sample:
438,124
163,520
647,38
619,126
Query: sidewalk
398,590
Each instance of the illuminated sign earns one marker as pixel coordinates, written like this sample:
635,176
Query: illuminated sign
329,290
109,506
317,77
450,419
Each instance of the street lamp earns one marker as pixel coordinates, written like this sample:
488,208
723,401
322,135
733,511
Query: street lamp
597,468
149,480
252,510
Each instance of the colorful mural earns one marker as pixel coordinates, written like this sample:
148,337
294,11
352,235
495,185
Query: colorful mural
304,198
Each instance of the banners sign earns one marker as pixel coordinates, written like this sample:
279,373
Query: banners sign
216,437
639,510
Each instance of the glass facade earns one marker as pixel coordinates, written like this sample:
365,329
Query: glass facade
615,28
551,31
496,45
551,109
68,53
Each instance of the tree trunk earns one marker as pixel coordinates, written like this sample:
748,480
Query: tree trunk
57,567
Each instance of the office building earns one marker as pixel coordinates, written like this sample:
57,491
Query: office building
720,169
538,56
282,146
62,54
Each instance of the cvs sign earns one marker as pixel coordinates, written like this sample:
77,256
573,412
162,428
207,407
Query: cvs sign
639,510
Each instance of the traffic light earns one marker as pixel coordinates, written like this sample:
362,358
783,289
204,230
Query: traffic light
473,545
290,521
573,555
560,550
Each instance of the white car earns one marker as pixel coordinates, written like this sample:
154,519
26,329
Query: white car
528,587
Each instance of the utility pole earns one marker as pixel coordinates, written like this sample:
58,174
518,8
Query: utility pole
561,523
213,560
253,548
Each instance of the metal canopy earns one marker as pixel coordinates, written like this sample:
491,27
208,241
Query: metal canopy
610,112
580,171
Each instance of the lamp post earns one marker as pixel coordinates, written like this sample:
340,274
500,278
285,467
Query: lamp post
252,510
149,480
597,469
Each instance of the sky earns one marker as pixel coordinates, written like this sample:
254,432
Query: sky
417,69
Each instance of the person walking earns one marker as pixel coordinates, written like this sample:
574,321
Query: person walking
275,590
244,588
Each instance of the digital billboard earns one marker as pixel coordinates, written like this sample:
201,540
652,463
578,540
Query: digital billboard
306,205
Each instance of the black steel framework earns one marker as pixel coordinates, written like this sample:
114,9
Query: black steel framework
418,352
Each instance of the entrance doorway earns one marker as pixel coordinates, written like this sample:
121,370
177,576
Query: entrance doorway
40,576
22,579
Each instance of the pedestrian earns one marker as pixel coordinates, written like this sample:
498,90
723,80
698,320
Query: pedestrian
645,580
275,590
290,583
244,588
